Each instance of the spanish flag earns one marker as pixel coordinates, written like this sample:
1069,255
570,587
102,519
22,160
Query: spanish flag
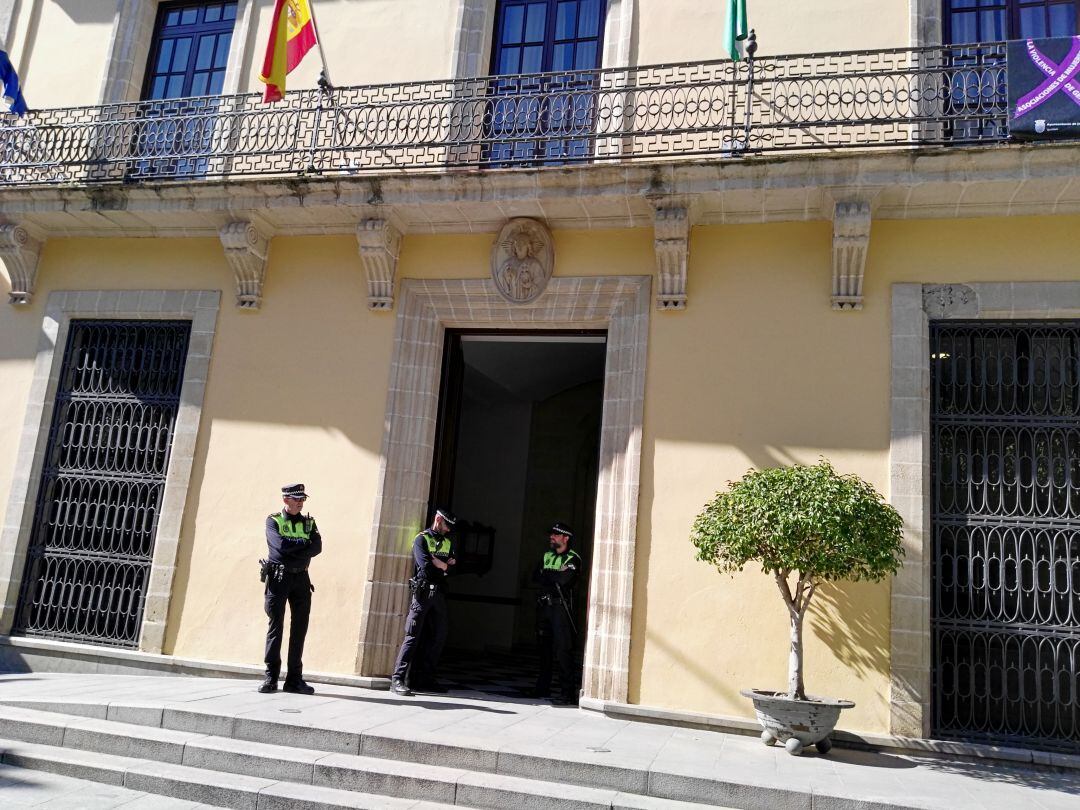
292,34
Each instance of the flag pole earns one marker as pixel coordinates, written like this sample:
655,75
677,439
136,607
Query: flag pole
324,78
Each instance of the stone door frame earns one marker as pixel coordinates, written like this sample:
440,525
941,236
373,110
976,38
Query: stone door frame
914,306
427,308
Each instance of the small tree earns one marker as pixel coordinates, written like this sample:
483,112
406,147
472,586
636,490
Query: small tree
801,520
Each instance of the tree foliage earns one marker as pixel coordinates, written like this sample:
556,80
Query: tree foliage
801,520
805,519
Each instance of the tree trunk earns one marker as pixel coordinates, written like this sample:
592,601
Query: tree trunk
796,689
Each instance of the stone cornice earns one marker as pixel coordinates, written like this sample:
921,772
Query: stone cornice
902,184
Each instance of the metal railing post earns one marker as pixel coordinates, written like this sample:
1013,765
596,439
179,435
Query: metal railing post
751,49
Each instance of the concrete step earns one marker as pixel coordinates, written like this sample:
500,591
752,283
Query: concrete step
197,785
157,759
588,769
21,787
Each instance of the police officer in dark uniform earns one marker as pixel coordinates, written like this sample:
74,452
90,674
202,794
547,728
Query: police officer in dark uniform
557,575
293,539
426,625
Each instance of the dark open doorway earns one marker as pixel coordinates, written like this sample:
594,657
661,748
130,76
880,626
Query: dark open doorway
517,448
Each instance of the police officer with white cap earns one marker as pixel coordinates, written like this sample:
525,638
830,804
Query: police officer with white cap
555,632
292,539
426,625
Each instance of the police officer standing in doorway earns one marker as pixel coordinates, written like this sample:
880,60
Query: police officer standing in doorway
293,539
426,625
555,630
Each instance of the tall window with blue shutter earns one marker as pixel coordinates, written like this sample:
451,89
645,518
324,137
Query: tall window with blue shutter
185,72
545,56
995,20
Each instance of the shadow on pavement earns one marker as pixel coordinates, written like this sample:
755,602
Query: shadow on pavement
1040,777
421,703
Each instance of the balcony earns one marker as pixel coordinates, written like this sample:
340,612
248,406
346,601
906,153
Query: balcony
859,100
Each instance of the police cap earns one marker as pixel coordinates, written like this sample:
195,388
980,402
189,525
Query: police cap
295,491
561,528
446,515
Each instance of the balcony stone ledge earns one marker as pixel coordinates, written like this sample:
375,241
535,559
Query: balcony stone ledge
910,183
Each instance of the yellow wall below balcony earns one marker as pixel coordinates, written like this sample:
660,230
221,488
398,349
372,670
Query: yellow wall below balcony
757,371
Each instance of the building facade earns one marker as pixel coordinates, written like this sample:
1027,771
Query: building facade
546,260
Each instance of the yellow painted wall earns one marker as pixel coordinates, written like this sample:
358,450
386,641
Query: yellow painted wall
370,42
689,30
62,47
296,393
757,371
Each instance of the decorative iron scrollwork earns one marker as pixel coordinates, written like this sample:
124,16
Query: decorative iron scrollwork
1005,449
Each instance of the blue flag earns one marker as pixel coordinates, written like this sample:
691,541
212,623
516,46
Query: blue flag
10,79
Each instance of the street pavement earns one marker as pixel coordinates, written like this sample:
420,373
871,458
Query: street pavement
473,732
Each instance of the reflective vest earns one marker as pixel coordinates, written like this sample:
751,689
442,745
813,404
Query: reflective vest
294,531
556,562
437,545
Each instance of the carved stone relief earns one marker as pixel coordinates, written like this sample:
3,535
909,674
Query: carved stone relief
671,241
380,243
851,238
522,260
246,250
950,301
20,253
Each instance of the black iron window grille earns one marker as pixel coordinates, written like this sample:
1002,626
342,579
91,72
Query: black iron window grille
92,542
813,102
1005,444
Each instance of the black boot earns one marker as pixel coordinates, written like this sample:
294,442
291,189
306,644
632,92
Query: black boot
398,687
298,687
268,685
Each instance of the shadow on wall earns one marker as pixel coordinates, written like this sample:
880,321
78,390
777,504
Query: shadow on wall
760,457
698,669
88,11
859,638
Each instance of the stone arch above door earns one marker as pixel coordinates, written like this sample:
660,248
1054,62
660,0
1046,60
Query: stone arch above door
619,304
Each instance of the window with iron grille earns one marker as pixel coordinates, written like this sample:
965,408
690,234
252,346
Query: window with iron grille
557,44
102,480
185,72
1005,481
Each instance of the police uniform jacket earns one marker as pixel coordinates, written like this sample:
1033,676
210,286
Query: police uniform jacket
289,547
429,545
550,574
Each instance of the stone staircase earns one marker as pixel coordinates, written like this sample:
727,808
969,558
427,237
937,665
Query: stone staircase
226,762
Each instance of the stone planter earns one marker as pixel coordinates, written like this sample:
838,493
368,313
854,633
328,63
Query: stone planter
796,723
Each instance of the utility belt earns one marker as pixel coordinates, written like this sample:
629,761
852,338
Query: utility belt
548,599
276,571
421,586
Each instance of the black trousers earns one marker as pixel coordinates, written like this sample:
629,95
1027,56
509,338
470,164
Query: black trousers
293,590
425,636
556,641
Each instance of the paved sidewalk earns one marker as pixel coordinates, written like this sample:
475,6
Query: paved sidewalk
702,766
49,791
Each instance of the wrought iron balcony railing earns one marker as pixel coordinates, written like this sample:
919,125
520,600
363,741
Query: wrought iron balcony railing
861,99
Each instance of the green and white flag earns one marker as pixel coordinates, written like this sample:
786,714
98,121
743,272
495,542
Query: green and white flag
736,29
